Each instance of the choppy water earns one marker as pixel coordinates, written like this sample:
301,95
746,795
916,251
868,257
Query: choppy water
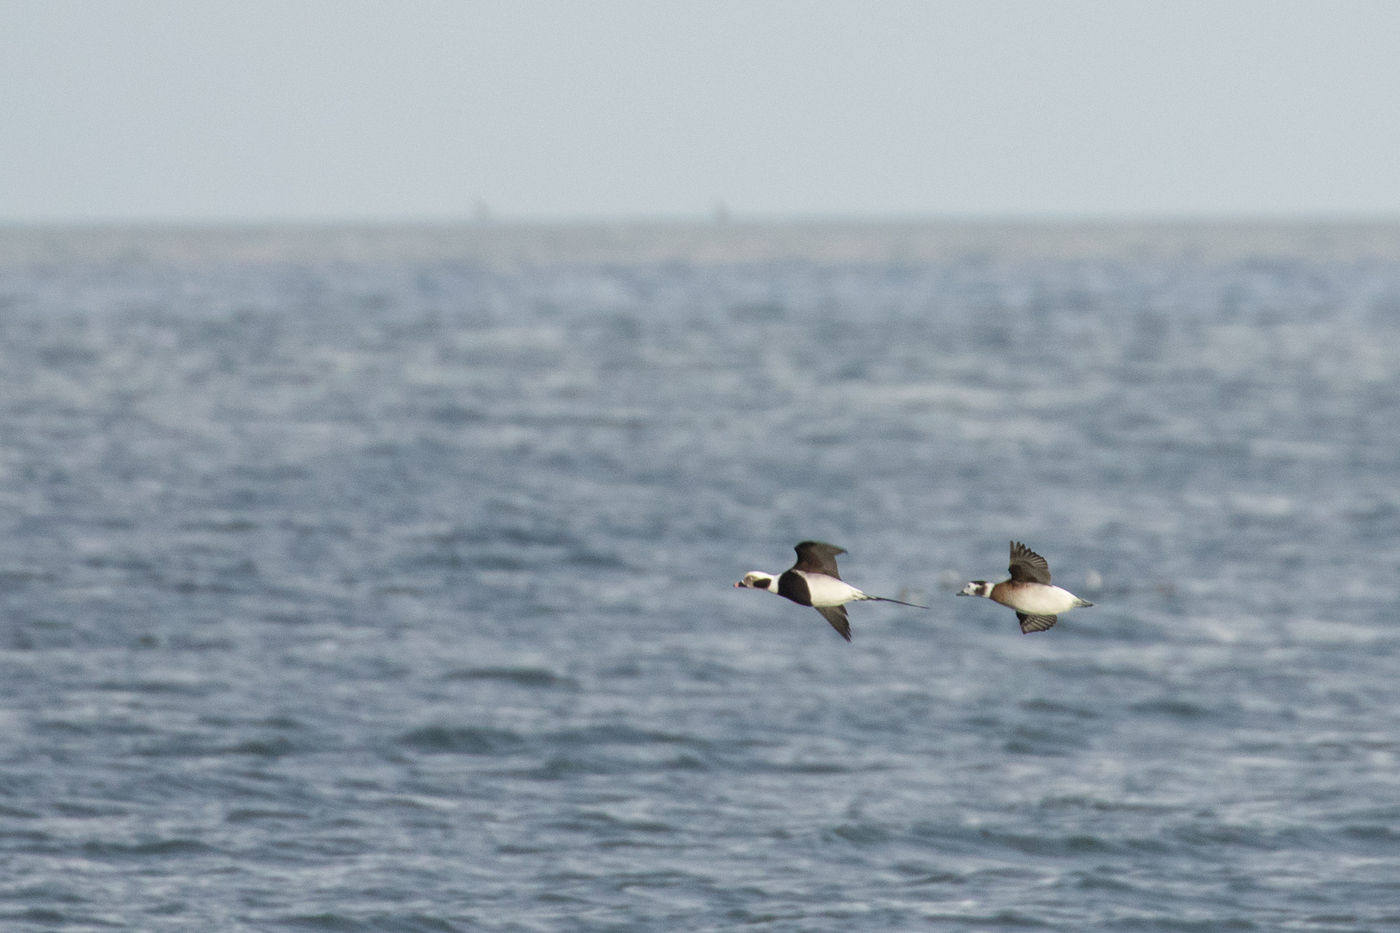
379,579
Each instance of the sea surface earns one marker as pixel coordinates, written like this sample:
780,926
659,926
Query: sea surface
380,578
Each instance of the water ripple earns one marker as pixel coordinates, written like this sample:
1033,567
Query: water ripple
380,579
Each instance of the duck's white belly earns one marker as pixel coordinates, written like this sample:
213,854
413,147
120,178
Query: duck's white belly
1040,600
827,591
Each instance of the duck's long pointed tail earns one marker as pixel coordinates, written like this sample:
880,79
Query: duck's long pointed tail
886,599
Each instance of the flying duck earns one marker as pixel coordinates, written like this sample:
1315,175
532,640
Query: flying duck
814,581
1029,592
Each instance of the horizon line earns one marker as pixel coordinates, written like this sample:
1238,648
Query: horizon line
714,219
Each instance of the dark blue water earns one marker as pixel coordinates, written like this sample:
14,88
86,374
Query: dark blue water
380,579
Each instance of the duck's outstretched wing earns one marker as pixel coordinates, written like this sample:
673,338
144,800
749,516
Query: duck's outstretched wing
836,615
817,557
1027,566
1030,623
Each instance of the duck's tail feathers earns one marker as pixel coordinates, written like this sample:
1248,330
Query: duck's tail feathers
886,599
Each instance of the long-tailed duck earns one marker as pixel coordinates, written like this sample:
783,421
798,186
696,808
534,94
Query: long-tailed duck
1029,592
813,581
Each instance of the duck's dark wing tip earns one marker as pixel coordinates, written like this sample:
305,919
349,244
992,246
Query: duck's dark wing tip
836,615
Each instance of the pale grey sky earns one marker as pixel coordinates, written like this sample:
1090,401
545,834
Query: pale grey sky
425,109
